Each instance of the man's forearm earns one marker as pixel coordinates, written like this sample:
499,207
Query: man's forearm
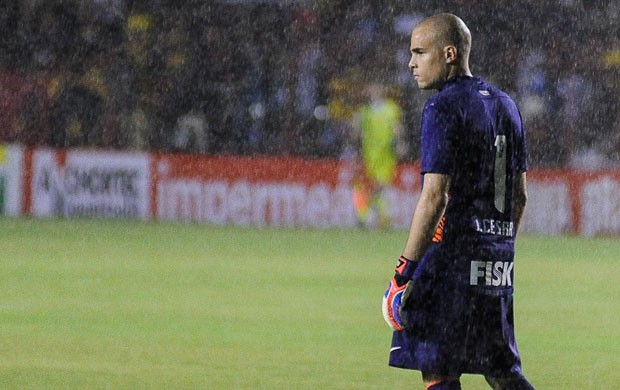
428,212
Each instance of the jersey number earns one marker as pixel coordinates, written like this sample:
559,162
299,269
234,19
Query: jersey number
500,173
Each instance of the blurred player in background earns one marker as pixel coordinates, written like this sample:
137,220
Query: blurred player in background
450,301
378,131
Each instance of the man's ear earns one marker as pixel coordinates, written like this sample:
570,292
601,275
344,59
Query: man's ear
450,53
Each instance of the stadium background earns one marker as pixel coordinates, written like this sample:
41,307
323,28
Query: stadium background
253,276
284,77
272,87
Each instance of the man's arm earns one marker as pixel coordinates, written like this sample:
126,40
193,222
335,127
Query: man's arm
428,212
520,199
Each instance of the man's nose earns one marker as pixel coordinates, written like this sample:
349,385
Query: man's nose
411,64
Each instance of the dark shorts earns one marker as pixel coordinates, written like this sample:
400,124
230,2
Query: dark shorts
450,333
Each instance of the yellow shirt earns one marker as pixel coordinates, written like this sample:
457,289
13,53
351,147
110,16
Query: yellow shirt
377,123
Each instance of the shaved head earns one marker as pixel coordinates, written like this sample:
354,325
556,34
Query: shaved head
448,29
440,47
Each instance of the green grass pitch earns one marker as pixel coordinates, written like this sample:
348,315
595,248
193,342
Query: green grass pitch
133,305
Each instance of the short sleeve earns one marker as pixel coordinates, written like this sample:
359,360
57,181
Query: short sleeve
439,127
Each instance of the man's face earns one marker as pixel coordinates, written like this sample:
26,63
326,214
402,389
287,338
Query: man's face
428,62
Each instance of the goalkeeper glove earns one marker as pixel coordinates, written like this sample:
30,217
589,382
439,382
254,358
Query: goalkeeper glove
395,295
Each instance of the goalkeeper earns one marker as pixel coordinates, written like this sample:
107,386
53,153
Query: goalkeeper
450,301
379,131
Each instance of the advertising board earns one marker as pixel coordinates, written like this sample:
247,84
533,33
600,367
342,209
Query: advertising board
11,168
81,183
265,191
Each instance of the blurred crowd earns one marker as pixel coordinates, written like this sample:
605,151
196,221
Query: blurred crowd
286,77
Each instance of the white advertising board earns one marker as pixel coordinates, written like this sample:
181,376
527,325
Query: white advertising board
78,183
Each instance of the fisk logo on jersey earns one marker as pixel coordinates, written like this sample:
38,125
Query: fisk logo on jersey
491,273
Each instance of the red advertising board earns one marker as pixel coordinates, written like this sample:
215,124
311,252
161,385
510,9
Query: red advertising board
569,201
262,191
274,191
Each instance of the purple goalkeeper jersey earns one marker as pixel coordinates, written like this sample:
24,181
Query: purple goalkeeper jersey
459,314
473,132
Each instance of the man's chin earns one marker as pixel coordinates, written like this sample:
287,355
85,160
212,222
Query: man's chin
423,85
427,86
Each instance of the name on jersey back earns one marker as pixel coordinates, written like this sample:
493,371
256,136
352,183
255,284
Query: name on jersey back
494,226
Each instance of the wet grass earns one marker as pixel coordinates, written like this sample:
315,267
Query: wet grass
134,305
